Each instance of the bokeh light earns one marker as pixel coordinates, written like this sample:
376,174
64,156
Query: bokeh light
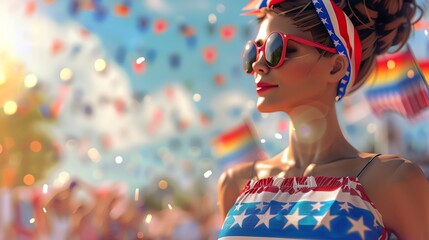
208,173
391,64
119,159
410,73
94,155
45,188
163,184
66,74
28,179
140,60
212,18
136,194
10,107
35,146
30,81
100,65
220,8
63,177
197,97
371,128
148,218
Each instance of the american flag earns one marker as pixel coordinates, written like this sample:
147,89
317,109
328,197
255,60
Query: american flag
398,85
310,207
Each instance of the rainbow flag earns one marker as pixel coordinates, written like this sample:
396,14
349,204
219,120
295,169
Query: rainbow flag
424,67
236,145
398,85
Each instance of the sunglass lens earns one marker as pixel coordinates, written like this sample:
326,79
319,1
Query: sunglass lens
273,49
249,56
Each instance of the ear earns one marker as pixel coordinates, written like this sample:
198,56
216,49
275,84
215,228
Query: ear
339,65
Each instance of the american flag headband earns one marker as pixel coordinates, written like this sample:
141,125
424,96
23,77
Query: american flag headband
341,30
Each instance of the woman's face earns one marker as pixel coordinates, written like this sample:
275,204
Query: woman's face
299,80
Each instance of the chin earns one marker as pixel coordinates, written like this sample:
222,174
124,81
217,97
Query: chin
265,108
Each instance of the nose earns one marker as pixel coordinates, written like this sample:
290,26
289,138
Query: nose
260,66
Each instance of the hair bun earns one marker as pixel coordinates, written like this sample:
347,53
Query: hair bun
394,23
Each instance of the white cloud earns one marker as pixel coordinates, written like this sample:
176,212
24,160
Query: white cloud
30,40
225,103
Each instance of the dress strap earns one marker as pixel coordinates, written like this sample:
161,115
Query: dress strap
367,164
253,173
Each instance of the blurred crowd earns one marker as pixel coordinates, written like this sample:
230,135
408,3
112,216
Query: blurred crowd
78,210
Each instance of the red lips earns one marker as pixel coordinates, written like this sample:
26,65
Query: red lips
261,86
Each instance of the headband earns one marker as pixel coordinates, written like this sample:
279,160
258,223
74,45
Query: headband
341,30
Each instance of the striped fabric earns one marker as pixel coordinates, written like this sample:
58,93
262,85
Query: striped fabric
303,208
345,38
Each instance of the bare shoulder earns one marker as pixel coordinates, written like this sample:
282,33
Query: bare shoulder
399,189
230,184
396,171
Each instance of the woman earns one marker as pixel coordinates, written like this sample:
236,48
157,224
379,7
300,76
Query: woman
307,55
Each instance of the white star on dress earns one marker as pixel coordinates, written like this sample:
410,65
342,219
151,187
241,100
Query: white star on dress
286,206
324,220
260,206
358,226
238,206
352,185
345,206
317,206
324,20
330,32
336,43
315,1
319,10
239,219
264,219
293,219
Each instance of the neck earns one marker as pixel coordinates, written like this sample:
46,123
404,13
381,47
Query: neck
315,137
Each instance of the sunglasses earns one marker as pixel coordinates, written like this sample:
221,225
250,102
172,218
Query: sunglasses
274,49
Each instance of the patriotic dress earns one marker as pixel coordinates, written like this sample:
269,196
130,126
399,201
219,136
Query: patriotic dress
309,207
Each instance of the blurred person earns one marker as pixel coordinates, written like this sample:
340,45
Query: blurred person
27,220
6,214
83,220
306,56
59,208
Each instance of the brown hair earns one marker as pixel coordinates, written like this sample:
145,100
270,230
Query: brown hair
381,25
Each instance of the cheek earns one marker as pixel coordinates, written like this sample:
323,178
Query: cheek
298,73
302,80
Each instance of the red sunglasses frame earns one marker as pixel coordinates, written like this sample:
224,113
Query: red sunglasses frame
285,38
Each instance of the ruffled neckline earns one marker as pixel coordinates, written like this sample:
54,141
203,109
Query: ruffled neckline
305,184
